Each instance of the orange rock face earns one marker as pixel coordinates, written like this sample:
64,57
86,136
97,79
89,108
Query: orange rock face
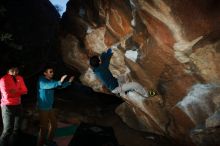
177,46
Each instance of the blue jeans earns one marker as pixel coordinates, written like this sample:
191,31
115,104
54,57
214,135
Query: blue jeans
11,116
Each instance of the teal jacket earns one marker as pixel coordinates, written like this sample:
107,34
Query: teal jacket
45,95
103,73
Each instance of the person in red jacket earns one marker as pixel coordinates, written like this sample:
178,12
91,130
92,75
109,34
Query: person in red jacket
12,86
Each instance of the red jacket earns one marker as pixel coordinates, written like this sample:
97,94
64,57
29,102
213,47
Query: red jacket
11,91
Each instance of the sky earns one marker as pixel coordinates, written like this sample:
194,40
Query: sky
61,3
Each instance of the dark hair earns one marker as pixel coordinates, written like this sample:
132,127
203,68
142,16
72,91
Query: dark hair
10,65
94,61
47,67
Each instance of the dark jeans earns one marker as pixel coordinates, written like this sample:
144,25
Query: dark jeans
11,116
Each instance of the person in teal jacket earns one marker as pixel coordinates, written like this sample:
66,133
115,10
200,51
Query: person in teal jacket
100,67
45,99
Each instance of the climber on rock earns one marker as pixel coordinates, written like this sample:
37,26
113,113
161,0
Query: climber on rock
100,66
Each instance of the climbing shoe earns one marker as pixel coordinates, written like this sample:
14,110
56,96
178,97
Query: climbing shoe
152,93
